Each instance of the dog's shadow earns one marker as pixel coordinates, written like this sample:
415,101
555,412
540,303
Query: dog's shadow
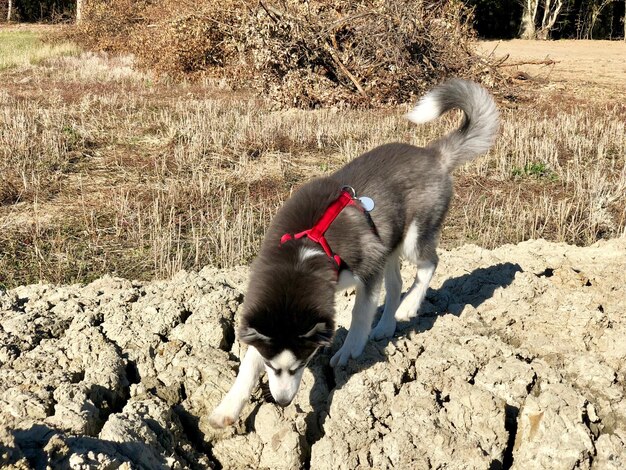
451,298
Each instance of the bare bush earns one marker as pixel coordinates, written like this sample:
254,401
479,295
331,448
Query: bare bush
183,39
109,23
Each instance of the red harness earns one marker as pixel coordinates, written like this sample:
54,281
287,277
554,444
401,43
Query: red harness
316,233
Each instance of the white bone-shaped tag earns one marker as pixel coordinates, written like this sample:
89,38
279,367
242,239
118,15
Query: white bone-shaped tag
367,203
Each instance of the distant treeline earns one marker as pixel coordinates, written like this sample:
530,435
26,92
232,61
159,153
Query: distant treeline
50,11
505,19
573,19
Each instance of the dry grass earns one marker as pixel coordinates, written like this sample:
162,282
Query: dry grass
554,175
23,47
103,170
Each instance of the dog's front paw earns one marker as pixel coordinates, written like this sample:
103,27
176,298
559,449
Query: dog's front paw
352,348
384,329
225,414
220,420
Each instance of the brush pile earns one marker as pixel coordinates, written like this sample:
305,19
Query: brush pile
306,54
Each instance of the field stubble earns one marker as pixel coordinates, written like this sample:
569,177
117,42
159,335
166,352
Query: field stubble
104,170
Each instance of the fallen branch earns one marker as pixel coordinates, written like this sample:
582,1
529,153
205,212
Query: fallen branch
529,62
344,69
502,61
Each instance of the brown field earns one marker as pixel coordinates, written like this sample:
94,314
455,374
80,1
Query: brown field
597,64
105,170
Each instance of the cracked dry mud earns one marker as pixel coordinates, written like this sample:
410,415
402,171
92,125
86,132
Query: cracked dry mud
517,360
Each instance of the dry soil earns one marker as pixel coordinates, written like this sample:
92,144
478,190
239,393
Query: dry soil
517,360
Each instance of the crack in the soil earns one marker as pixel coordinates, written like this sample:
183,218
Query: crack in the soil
192,433
472,378
548,272
109,401
184,316
441,399
594,430
229,335
316,419
510,424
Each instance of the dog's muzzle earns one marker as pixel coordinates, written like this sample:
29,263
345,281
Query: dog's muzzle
283,402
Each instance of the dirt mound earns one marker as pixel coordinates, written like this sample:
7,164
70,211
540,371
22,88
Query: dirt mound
518,357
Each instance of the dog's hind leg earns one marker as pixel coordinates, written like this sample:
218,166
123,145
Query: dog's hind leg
415,295
363,313
422,250
393,286
231,405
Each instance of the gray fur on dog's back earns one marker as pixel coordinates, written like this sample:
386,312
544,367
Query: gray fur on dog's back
413,184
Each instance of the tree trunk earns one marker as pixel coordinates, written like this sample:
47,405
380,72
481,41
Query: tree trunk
594,15
79,11
10,10
528,19
550,14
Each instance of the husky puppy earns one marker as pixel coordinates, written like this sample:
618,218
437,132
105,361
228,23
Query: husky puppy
308,254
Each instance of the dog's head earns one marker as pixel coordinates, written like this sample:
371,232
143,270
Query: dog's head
286,354
287,321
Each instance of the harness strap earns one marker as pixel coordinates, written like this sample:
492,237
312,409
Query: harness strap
316,233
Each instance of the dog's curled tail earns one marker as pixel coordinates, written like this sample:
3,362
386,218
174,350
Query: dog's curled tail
478,131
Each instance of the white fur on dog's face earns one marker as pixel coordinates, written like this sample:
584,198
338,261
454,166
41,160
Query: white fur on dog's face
284,372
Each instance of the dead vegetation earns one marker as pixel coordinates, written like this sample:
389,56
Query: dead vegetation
305,54
104,170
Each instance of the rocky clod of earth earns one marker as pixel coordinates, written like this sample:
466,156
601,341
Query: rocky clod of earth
517,360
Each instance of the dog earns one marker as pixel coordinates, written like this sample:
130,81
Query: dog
351,229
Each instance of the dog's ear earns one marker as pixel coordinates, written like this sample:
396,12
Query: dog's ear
249,335
321,334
